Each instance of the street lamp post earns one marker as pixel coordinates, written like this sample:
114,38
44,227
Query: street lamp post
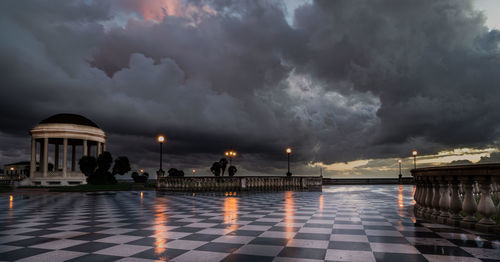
288,152
161,139
414,153
230,154
11,173
400,176
194,172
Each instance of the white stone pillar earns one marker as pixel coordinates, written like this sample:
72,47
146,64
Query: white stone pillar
99,144
65,157
73,156
85,149
45,156
33,157
56,157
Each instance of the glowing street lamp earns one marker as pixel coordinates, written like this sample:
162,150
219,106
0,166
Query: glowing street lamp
414,154
230,154
161,139
288,152
11,173
399,162
194,172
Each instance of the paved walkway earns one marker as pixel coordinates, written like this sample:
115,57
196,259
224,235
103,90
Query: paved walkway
343,223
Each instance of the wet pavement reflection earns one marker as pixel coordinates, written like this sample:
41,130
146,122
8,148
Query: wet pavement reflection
342,223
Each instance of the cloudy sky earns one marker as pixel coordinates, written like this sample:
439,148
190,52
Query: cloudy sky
351,86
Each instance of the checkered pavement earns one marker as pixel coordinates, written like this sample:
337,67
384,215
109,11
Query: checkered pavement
342,223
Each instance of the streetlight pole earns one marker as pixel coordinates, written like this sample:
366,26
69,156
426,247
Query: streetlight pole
414,153
288,152
161,139
230,154
399,161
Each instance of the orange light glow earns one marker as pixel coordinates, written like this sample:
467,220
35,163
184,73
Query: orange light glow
289,212
11,169
321,203
230,210
142,170
161,139
400,197
288,150
414,153
160,233
11,202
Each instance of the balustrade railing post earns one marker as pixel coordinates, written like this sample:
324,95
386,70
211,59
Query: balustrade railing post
469,205
423,192
436,198
455,201
444,201
428,198
416,197
486,207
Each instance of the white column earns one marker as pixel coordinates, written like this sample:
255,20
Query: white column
56,157
73,156
45,156
99,148
65,157
85,149
33,157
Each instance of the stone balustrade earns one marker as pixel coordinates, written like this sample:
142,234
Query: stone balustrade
249,183
459,195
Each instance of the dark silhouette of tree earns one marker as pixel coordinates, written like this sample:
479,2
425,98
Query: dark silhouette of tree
232,170
122,166
142,178
215,169
104,161
173,172
87,165
223,165
97,170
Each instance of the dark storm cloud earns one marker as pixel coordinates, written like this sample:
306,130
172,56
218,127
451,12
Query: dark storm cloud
349,80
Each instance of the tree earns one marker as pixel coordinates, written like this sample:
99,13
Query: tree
223,164
142,178
104,161
232,170
97,170
87,164
173,172
122,166
215,169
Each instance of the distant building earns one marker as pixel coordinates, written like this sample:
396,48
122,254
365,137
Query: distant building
64,138
18,169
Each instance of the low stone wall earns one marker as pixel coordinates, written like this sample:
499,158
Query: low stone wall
367,181
250,183
459,195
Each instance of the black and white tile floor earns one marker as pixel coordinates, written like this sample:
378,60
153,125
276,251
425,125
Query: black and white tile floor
343,223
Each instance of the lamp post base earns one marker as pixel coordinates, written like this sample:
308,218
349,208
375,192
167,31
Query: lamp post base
288,173
160,173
